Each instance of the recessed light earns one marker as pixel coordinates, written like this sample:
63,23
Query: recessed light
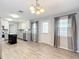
14,15
9,19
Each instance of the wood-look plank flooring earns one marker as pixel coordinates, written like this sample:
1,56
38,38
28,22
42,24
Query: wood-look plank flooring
31,50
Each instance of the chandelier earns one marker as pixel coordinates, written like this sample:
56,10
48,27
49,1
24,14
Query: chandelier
36,9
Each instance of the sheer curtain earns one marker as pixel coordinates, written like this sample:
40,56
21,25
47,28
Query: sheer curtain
69,30
72,40
56,39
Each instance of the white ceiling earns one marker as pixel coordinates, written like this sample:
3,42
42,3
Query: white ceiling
51,7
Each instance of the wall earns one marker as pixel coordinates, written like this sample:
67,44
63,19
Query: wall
5,24
12,28
49,38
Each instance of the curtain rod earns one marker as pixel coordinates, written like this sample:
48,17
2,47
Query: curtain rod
65,15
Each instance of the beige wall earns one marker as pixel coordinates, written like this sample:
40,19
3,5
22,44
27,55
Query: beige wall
46,37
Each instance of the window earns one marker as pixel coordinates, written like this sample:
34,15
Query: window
64,27
45,27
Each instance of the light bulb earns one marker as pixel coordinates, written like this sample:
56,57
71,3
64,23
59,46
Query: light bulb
38,12
32,11
42,10
32,8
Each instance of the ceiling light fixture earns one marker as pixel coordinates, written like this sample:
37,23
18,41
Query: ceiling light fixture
36,9
14,15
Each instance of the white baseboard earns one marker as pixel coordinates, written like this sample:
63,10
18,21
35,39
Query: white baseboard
69,49
59,47
64,48
46,43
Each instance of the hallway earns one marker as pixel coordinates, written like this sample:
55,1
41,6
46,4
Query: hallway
31,50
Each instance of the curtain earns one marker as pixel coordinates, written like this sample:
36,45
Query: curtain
34,31
56,38
72,40
37,27
31,31
71,32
